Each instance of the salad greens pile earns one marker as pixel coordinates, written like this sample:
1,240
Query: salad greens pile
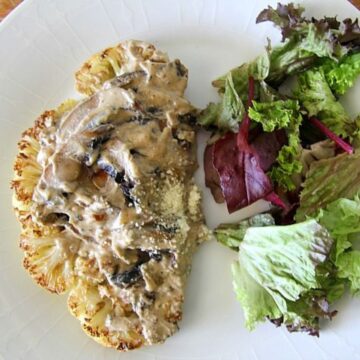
281,134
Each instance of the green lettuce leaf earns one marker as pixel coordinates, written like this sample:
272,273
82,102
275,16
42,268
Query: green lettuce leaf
256,302
348,265
210,115
317,151
299,53
231,235
307,41
317,41
227,114
288,164
276,275
332,287
328,180
342,219
316,97
258,69
232,107
274,115
285,257
342,75
287,60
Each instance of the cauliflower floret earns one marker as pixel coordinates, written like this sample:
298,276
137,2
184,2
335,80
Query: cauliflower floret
97,311
49,256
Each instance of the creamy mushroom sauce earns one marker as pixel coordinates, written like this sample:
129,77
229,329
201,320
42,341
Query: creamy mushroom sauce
117,176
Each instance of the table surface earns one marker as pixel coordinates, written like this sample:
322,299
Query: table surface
356,3
6,6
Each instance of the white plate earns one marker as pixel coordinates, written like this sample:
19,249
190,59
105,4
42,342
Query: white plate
41,45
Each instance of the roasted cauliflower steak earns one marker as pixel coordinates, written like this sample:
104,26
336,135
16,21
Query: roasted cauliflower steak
104,191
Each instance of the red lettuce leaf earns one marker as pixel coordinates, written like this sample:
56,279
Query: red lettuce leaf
240,169
266,145
289,18
241,178
212,180
351,34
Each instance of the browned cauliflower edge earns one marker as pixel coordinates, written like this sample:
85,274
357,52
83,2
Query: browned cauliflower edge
47,262
112,62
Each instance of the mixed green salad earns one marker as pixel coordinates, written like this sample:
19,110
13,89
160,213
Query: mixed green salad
279,133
